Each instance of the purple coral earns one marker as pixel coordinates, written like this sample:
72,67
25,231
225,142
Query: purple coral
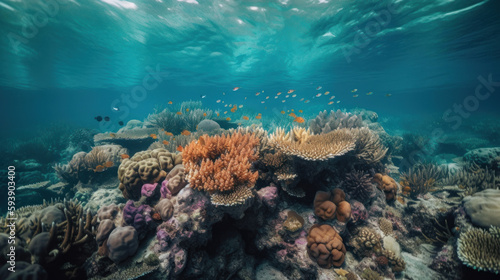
148,190
138,217
163,239
358,212
164,190
268,195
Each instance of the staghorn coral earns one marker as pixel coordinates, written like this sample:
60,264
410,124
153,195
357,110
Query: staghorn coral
368,148
145,167
326,122
303,144
473,179
420,179
358,185
219,164
325,246
387,185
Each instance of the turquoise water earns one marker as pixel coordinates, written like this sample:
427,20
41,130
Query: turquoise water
84,55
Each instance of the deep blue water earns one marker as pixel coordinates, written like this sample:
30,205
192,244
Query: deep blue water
85,55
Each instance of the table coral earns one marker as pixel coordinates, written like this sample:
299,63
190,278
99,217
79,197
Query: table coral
220,164
325,246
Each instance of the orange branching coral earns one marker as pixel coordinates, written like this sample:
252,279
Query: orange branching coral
220,163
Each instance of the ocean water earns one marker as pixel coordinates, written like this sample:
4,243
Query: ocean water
423,75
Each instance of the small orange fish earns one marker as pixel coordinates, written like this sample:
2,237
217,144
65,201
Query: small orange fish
234,109
258,117
292,115
327,92
124,156
257,93
204,114
330,103
388,94
179,113
170,102
300,111
236,88
185,132
187,109
228,119
201,140
299,120
291,90
99,168
218,114
246,118
169,133
225,112
165,142
179,148
283,112
109,164
292,110
113,135
279,93
152,135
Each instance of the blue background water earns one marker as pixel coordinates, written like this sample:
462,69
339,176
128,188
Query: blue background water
86,54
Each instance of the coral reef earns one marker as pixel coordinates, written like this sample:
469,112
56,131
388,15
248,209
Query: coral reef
221,165
420,179
480,249
143,168
387,185
331,205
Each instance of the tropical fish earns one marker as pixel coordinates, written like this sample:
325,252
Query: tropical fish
201,140
286,96
218,101
299,120
179,148
179,113
319,87
333,96
225,112
234,109
262,102
185,132
99,168
106,119
330,103
165,142
124,156
388,95
170,102
276,97
291,90
236,88
228,119
152,135
283,112
354,90
279,93
187,109
203,96
307,101
294,95
318,95
98,118
108,164
204,114
218,114
356,95
258,117
302,99
300,111
257,93
246,118
338,101
241,106
369,93
120,123
327,92
116,109
283,101
267,97
292,115
169,133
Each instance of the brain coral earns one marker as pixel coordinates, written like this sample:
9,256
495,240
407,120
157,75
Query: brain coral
328,205
325,246
484,207
387,185
145,167
122,243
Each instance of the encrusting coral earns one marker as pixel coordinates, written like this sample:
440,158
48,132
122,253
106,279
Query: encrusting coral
325,246
221,165
145,167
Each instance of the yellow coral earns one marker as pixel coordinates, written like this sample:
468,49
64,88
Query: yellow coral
302,143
